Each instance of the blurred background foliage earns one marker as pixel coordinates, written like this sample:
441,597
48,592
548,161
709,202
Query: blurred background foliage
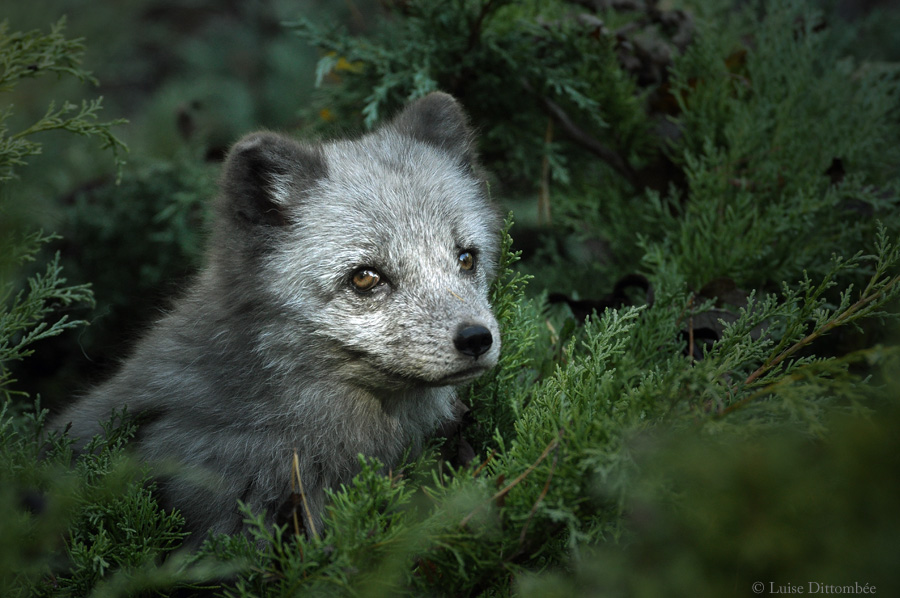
721,177
587,161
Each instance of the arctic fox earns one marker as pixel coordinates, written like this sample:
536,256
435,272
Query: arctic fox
344,296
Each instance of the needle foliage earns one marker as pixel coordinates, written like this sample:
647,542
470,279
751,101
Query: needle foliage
732,423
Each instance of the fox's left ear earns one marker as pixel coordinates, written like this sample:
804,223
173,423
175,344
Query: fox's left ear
439,120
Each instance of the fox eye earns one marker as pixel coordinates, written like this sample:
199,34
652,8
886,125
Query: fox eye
466,260
365,279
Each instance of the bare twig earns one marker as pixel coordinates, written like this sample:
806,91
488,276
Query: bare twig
309,519
484,464
691,338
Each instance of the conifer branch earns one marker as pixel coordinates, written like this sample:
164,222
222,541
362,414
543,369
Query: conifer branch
501,493
478,24
484,464
843,318
862,307
587,141
541,496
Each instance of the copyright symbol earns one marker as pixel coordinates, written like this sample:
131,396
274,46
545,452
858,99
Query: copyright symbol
758,587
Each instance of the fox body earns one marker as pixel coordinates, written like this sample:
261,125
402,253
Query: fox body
344,296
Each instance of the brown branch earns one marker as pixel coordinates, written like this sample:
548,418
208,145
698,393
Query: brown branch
827,327
824,329
582,138
501,493
544,195
484,464
691,339
540,497
296,472
475,32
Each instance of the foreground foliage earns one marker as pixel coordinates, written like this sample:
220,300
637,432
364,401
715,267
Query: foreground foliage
729,423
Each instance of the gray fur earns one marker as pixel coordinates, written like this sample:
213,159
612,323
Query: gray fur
272,349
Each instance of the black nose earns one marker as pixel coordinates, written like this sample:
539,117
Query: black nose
473,340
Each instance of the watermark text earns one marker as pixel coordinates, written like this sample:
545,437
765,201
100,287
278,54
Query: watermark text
812,587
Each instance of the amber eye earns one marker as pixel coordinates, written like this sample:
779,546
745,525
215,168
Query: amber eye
365,279
466,260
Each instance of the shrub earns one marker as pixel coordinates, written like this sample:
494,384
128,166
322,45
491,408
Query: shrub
23,311
104,506
722,418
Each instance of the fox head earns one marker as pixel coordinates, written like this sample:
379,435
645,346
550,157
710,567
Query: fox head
371,257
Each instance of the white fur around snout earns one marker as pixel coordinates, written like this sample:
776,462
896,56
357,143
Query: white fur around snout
407,214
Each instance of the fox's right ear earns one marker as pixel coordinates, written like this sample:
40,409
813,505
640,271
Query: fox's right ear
263,172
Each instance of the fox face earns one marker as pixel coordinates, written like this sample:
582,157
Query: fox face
380,250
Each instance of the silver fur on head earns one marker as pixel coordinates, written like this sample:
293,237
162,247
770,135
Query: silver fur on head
276,347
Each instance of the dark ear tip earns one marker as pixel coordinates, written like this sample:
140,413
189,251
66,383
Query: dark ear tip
264,153
442,101
443,107
255,142
440,120
263,172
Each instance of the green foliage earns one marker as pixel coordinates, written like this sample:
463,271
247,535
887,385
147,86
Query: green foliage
103,505
714,516
788,149
134,241
23,317
165,209
736,425
489,54
24,312
498,399
35,54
